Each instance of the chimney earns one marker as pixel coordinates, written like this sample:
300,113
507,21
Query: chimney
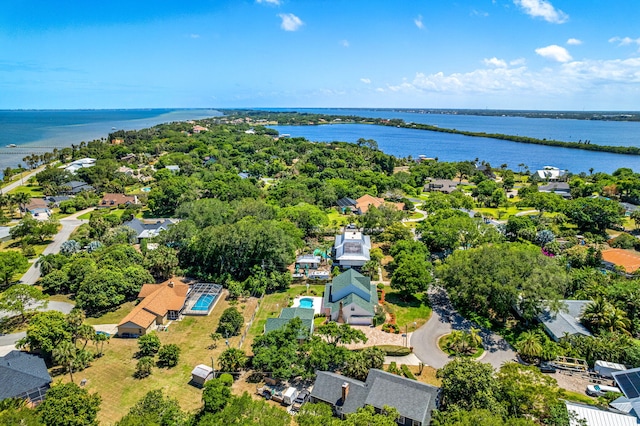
345,391
170,284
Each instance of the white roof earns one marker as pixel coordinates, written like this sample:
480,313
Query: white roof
608,364
596,417
202,370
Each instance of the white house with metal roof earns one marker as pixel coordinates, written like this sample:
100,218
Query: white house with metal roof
351,249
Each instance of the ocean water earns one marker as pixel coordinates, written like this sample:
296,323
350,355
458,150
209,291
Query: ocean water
43,130
451,147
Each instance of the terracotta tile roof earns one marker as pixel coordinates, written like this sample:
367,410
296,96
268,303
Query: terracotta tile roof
363,203
157,300
629,260
114,200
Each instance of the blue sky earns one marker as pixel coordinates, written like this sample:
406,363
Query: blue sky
513,54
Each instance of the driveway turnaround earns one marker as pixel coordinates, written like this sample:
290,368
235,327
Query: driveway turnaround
443,320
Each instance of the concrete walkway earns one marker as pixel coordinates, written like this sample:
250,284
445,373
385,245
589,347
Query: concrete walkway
443,320
69,224
410,359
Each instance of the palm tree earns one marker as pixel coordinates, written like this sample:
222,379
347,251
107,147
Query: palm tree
529,345
215,337
143,367
65,354
232,360
594,315
22,199
616,320
474,337
45,263
99,340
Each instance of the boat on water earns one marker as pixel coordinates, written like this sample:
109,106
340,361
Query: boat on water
12,145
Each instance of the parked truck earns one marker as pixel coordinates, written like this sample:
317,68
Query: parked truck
605,368
289,396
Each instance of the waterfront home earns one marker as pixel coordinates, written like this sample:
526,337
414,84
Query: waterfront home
82,163
446,186
560,188
550,173
414,400
350,298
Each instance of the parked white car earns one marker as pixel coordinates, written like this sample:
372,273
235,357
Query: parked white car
600,390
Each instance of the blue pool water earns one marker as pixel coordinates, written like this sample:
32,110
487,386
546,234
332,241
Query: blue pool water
204,302
146,189
306,303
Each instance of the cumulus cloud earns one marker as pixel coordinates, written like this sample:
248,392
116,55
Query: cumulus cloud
574,42
518,62
418,22
344,43
555,53
542,9
366,80
624,41
290,22
273,2
500,63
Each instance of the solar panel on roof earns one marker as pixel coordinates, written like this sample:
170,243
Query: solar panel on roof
629,383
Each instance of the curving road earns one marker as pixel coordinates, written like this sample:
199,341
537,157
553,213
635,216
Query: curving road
443,320
69,224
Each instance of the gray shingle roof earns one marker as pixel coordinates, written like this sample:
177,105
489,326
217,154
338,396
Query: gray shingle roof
412,399
287,314
565,322
20,373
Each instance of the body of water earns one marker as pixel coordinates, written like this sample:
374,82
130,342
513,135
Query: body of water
43,130
404,142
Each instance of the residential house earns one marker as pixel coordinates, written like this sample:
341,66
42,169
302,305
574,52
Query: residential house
560,324
55,200
308,261
560,188
350,298
159,303
351,249
75,187
629,208
117,141
347,204
414,400
201,374
23,376
173,168
286,315
129,158
38,208
366,201
197,129
588,415
110,200
625,259
149,228
550,173
82,163
446,186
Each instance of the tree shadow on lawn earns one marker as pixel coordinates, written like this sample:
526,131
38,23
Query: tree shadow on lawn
411,301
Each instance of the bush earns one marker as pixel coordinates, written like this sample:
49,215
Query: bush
407,373
393,368
231,322
169,355
149,344
391,328
143,368
226,379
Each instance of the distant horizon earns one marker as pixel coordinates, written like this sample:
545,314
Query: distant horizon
323,107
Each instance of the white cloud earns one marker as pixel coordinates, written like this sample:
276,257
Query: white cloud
518,62
344,43
418,22
366,80
624,41
542,9
379,89
290,22
574,42
499,63
480,13
555,53
273,2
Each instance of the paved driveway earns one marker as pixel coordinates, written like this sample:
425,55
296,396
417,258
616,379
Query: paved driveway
443,320
69,224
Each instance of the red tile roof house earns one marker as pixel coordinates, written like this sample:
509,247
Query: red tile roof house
110,200
159,303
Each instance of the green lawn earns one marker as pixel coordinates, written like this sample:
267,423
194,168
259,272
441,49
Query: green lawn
117,212
112,317
34,191
502,212
416,309
273,303
444,340
338,219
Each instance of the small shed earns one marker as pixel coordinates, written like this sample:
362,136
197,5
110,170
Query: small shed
201,374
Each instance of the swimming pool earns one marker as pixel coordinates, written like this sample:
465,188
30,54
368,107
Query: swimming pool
204,302
306,303
146,189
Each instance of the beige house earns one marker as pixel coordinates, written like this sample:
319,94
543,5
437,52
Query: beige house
158,304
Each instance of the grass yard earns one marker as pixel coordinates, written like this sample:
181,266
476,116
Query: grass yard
113,317
112,375
338,219
407,312
502,212
444,340
34,191
428,374
273,303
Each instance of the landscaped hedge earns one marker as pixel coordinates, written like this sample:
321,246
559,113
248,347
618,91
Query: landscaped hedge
392,350
407,373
